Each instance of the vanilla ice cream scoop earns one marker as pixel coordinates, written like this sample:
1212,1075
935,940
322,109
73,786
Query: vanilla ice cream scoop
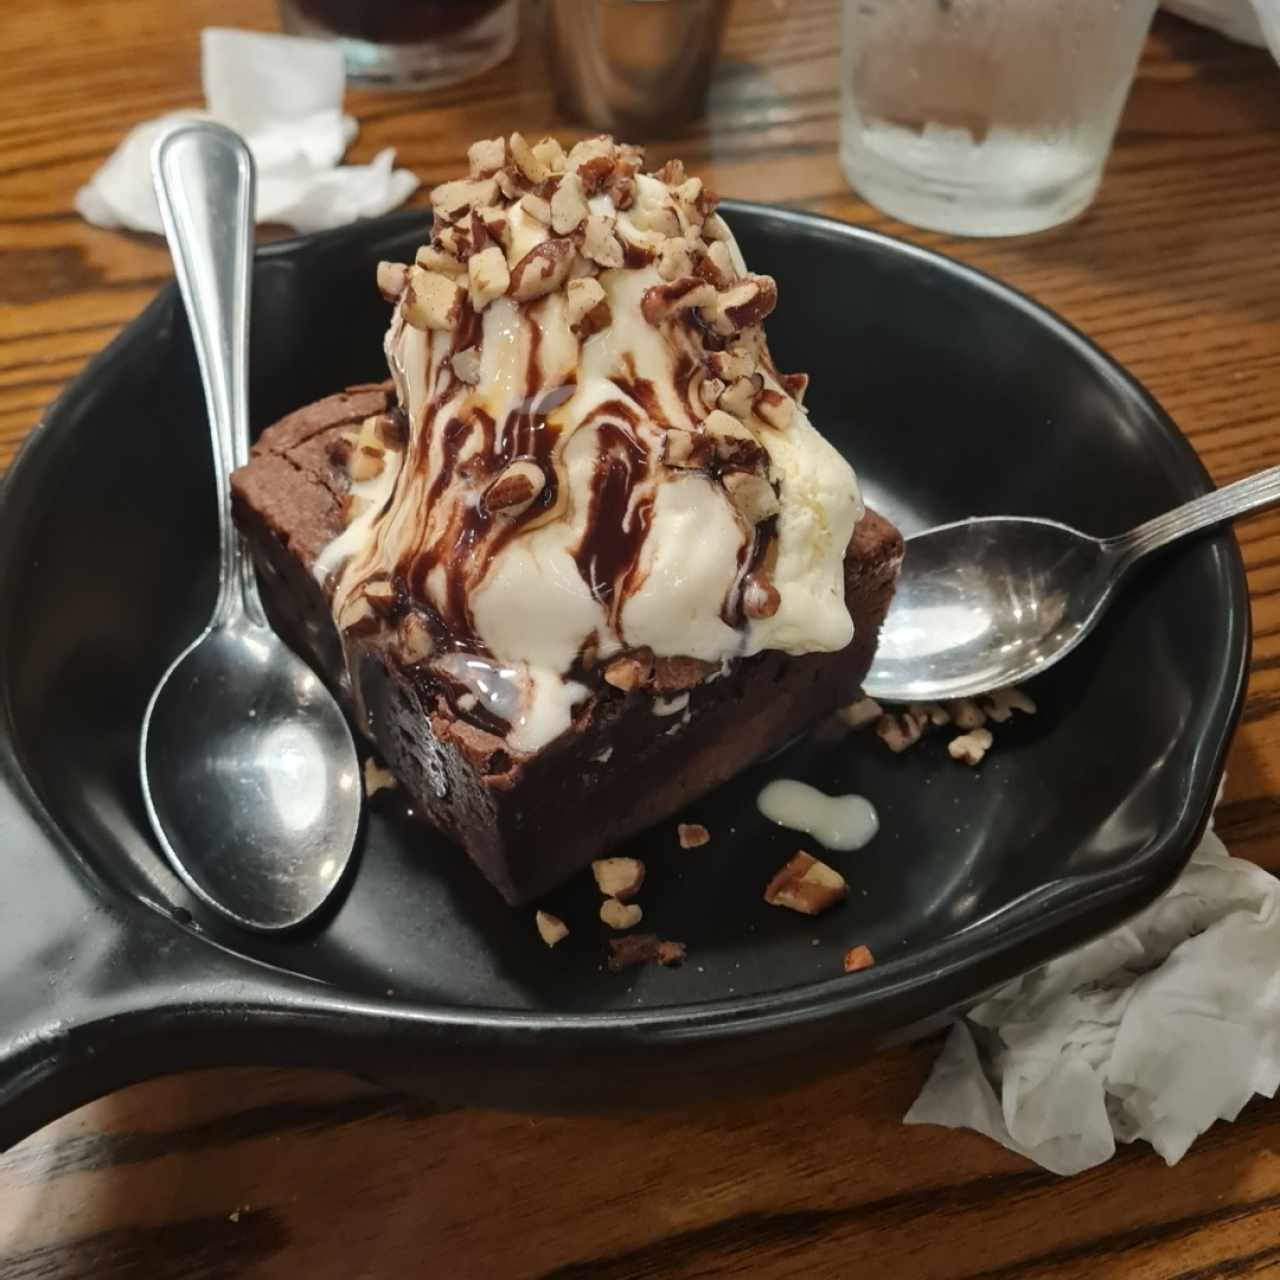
598,466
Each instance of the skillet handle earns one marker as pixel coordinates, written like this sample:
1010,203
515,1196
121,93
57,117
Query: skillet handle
96,990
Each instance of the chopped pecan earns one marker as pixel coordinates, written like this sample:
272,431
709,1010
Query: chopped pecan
551,153
551,929
671,954
970,747
589,151
731,364
740,396
934,712
497,225
431,301
720,260
729,436
716,229
675,259
510,182
376,778
487,276
522,155
1001,704
515,488
690,206
393,277
568,206
752,494
710,390
860,714
692,835
672,172
774,408
631,950
431,258
537,208
620,915
621,186
594,173
658,218
486,157
453,201
806,885
687,450
542,270
858,958
587,306
795,385
479,232
630,671
747,303
662,301
966,713
453,241
900,731
619,878
675,674
600,244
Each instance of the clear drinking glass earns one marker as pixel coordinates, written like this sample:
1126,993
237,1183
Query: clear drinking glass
410,44
984,117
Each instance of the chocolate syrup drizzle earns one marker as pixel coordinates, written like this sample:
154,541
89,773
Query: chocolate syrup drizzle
620,501
608,555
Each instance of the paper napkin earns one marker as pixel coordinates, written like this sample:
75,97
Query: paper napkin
1154,1031
283,95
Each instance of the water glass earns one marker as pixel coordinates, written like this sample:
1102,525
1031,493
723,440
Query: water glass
984,117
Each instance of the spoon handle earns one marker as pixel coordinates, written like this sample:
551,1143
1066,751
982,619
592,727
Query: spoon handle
204,182
1253,493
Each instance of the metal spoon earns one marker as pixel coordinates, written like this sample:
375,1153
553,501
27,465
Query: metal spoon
249,773
986,603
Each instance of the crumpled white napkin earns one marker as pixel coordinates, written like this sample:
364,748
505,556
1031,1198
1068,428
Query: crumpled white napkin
1153,1031
283,95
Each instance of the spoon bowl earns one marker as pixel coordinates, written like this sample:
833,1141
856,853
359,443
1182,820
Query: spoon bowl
249,773
987,603
251,780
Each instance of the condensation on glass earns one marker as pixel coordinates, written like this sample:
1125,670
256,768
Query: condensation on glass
984,117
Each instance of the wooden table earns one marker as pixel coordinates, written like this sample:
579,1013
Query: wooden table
1176,270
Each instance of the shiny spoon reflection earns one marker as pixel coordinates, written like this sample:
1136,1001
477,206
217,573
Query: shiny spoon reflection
249,772
987,603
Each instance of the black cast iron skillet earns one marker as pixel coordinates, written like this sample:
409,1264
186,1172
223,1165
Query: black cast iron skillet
951,394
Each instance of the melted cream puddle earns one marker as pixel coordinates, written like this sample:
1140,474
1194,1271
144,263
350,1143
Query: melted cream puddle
837,822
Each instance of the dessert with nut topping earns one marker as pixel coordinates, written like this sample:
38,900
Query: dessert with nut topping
584,557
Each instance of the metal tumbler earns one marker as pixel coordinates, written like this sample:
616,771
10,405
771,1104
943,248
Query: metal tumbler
634,67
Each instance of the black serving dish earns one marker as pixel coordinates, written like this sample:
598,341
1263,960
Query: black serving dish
952,395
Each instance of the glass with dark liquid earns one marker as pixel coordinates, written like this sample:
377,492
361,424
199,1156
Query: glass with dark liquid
410,44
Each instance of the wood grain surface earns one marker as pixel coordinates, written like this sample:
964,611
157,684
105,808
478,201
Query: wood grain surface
1175,270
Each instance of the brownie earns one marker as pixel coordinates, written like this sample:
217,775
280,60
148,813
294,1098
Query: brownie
530,821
